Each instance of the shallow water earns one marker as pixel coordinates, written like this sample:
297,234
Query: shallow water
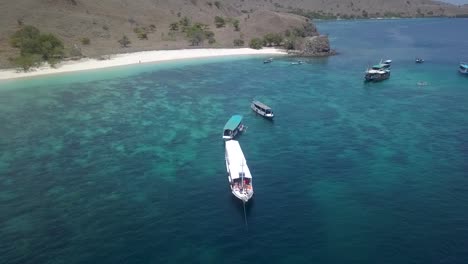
126,165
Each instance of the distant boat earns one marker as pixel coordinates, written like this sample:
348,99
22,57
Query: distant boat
233,127
240,179
419,60
262,109
270,60
299,62
463,69
377,73
386,64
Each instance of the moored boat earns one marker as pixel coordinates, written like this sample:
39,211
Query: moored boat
299,62
239,176
270,60
262,109
387,63
233,127
377,73
419,60
463,69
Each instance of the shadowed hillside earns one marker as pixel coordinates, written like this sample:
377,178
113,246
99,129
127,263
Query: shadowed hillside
93,28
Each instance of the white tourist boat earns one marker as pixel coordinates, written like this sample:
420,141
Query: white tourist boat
262,109
240,179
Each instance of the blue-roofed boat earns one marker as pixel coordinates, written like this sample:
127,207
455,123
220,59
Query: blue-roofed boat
233,127
463,69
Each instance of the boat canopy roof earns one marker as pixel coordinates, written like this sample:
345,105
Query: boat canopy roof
233,122
388,61
237,162
261,105
464,65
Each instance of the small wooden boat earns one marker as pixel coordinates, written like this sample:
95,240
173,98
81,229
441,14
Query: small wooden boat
419,60
262,109
233,127
270,60
240,179
463,69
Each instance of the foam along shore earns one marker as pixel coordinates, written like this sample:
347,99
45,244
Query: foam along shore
134,58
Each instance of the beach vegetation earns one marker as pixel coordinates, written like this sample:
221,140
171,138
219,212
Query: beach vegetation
35,46
198,33
219,22
238,42
142,32
85,41
124,41
272,39
28,61
256,43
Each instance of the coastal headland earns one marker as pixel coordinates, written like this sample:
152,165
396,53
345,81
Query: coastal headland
92,29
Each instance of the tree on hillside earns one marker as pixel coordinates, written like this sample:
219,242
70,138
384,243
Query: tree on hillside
124,41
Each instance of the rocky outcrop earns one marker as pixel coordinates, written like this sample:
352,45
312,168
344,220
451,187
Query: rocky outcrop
316,46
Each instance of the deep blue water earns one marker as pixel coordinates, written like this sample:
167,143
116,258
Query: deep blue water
126,165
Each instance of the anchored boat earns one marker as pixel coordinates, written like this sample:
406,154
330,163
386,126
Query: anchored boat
233,127
240,179
377,73
262,109
463,68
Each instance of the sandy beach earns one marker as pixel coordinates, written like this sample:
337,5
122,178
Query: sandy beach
134,58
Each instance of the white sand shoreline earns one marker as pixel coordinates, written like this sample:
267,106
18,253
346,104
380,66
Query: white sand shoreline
135,58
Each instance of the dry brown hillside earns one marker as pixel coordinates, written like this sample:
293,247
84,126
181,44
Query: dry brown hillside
103,22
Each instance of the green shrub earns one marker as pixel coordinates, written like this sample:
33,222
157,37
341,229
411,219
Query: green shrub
124,41
28,61
219,21
31,42
238,42
85,41
256,43
174,27
273,39
235,23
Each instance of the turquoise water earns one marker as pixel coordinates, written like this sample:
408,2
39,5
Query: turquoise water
126,165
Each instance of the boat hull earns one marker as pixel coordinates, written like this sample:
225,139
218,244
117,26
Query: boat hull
262,113
377,77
